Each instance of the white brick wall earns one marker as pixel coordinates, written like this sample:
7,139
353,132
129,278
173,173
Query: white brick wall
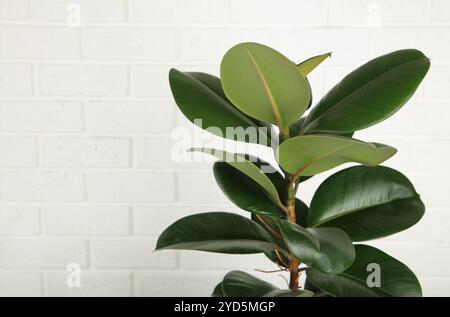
86,114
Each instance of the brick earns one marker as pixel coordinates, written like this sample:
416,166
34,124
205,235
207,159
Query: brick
193,260
172,154
179,11
18,151
159,284
154,44
434,264
83,80
291,12
131,187
432,156
19,220
205,190
16,79
93,284
14,10
85,152
42,253
425,122
21,284
40,116
130,254
440,11
41,186
139,117
63,220
150,81
437,80
210,44
376,13
90,10
39,42
433,188
426,40
152,220
386,40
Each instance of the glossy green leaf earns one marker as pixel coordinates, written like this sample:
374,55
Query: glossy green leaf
295,129
241,284
216,232
366,202
243,191
326,249
312,154
301,212
200,96
370,94
396,279
289,293
218,291
310,64
248,168
264,84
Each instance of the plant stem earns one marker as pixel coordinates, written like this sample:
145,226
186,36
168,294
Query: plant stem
290,206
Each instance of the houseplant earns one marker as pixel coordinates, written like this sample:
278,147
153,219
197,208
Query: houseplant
260,90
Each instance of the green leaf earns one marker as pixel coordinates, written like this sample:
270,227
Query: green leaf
289,293
264,84
396,279
216,232
301,212
370,94
312,154
326,249
248,168
241,284
243,191
200,96
218,292
310,64
295,129
366,202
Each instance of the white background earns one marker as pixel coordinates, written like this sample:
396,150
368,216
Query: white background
86,174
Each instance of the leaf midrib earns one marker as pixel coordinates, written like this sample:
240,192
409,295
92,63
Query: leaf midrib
216,241
362,208
275,108
358,90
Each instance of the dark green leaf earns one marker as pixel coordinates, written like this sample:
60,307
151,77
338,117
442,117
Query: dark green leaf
200,96
241,284
366,202
216,232
218,292
243,191
248,168
326,249
396,279
370,94
301,212
295,129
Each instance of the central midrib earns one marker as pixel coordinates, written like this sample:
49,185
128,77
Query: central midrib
276,111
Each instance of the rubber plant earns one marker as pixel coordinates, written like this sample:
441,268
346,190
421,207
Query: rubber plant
262,89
